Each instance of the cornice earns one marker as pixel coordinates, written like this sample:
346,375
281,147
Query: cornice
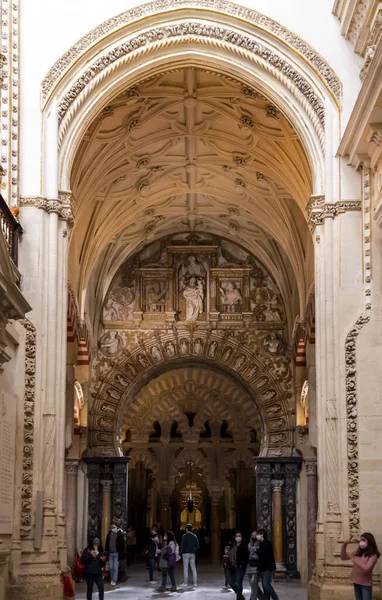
224,7
60,206
363,108
318,210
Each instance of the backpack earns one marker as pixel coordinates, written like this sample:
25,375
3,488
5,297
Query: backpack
177,553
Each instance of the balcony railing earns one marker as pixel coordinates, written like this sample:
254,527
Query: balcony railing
10,228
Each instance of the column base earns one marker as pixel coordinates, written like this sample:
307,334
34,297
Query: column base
41,587
334,585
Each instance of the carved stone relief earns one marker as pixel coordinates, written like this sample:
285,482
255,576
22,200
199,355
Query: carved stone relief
28,447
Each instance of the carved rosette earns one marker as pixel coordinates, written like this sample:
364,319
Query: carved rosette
28,445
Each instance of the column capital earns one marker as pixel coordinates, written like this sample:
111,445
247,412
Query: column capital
311,466
318,209
106,484
71,467
277,485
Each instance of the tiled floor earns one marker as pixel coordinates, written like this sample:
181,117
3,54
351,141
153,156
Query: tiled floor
209,587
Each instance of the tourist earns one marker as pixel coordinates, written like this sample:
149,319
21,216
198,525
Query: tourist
152,551
131,542
238,561
167,561
267,564
94,559
189,547
225,563
364,560
115,550
253,565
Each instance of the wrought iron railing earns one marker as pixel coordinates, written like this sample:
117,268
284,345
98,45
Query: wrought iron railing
10,229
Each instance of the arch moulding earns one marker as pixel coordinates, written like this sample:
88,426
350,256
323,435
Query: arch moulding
262,369
165,35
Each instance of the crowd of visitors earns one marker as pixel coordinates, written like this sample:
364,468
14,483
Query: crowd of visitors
256,560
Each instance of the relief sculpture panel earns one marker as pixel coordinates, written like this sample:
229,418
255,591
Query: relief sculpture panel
187,279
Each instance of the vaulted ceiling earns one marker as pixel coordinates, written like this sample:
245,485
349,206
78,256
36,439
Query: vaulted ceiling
190,150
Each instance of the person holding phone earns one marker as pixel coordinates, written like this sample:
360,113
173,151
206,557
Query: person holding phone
94,559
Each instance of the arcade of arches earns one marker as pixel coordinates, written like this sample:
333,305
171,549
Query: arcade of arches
193,308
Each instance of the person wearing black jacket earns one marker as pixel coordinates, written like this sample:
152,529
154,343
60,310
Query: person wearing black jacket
267,564
238,561
94,559
115,549
152,551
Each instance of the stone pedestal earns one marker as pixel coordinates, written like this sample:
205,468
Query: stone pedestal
71,510
284,471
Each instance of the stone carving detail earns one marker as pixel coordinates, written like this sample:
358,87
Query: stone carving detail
59,206
222,6
120,300
331,437
111,343
29,409
352,426
290,500
264,496
194,30
318,210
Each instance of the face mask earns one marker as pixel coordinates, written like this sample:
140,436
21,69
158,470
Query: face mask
363,544
259,538
156,538
114,529
238,538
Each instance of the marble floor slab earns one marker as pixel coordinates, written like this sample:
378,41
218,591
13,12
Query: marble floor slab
209,587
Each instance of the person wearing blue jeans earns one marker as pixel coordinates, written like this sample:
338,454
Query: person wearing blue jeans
266,564
189,547
115,549
238,560
364,559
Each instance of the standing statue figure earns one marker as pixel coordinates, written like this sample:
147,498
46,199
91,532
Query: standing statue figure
191,283
193,293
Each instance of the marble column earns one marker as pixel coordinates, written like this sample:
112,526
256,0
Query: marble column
71,509
215,528
106,507
277,486
311,475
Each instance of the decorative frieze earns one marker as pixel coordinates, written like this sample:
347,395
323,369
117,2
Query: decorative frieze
28,442
221,6
318,210
60,206
192,31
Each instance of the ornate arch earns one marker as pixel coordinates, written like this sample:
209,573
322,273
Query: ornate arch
221,36
246,357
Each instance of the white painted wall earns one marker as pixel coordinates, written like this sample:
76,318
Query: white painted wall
49,30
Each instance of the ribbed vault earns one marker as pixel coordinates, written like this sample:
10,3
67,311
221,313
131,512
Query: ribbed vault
190,150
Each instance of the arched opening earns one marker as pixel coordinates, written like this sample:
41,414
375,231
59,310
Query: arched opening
191,173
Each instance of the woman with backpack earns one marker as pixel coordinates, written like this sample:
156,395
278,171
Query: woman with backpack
168,557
